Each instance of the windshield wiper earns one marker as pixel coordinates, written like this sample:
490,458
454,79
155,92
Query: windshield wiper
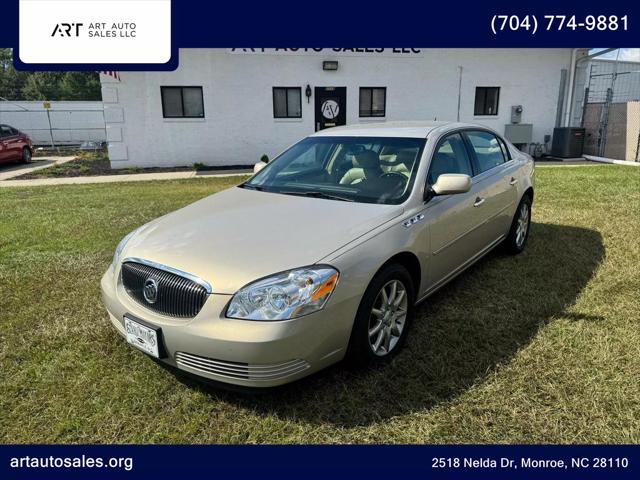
328,196
251,187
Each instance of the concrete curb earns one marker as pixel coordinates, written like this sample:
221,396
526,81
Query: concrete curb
611,160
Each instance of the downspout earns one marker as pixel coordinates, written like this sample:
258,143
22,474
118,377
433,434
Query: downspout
459,90
572,75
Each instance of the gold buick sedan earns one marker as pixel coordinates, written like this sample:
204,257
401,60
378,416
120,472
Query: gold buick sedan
322,254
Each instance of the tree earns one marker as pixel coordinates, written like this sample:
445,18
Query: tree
43,86
80,86
15,85
11,81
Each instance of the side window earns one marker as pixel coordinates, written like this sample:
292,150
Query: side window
488,150
287,102
5,131
486,102
373,101
450,157
182,102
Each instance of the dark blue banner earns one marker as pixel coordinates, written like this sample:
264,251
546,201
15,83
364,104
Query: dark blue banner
409,23
296,462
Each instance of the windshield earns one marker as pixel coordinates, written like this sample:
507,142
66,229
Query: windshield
359,169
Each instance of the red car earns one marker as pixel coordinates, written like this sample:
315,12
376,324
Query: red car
14,145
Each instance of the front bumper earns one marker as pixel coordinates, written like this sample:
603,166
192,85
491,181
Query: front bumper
241,352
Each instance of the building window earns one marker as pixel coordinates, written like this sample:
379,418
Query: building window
487,101
182,102
287,102
373,101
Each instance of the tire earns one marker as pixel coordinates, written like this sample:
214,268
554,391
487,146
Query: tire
26,155
517,239
389,320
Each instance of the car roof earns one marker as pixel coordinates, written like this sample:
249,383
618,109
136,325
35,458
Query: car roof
407,129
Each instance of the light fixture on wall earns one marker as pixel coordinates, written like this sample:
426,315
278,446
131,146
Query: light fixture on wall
307,92
330,65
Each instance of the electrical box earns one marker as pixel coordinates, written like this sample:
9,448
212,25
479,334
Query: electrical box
568,142
519,133
516,113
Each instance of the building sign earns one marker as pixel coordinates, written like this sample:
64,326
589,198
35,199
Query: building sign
348,52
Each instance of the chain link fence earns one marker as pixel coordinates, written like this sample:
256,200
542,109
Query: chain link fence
611,110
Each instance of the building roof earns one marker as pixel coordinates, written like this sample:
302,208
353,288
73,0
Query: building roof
407,129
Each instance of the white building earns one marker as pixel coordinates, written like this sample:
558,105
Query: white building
231,106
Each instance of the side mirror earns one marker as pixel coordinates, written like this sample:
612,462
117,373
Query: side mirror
451,183
258,166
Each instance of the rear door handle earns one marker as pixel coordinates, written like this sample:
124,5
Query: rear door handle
479,201
513,181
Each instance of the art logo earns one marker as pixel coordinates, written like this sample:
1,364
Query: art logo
330,109
67,30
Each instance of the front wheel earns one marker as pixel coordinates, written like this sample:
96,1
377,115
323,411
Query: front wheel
519,232
383,318
26,155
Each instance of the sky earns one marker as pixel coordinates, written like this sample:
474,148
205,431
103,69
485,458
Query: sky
626,54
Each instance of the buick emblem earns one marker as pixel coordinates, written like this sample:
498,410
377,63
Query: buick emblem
150,290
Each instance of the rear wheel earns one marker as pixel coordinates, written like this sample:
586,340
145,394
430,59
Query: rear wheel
519,232
383,318
26,155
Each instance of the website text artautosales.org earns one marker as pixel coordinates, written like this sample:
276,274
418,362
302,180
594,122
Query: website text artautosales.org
83,461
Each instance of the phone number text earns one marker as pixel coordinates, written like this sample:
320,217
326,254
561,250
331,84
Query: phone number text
531,24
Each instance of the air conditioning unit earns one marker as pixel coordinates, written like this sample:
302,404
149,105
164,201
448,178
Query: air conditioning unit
568,142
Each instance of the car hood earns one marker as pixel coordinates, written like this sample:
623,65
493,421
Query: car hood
237,236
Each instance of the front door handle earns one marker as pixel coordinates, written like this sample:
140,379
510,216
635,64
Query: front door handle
513,181
479,201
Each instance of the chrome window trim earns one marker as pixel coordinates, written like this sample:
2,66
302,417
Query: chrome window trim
203,283
467,129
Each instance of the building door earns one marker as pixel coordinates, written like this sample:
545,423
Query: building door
331,107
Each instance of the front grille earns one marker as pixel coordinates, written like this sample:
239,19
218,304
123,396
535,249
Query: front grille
238,370
177,296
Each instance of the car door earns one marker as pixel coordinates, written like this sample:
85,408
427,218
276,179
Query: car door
454,222
16,143
496,182
5,149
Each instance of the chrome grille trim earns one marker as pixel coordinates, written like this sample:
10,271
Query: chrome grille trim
239,370
178,295
203,283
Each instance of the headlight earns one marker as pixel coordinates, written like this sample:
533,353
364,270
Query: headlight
285,295
120,248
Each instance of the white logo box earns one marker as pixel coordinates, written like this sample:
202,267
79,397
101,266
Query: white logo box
95,31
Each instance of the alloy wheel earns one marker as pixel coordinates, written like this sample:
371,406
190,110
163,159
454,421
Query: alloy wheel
522,225
388,317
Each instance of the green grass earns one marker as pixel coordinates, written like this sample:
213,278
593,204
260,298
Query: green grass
542,347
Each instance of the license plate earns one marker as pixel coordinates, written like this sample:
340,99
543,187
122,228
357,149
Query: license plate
142,337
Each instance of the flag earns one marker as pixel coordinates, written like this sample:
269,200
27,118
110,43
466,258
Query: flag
115,75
